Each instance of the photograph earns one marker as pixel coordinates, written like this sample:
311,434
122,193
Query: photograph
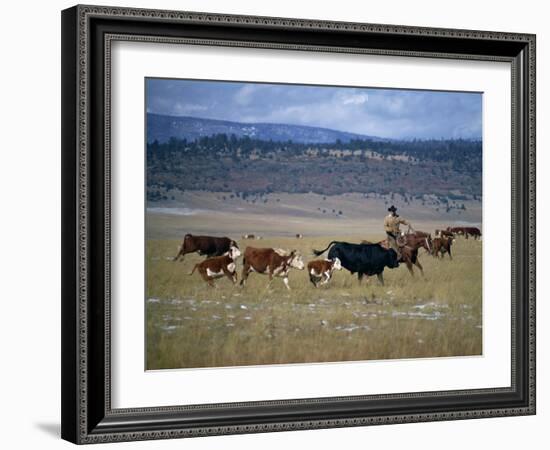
300,224
276,220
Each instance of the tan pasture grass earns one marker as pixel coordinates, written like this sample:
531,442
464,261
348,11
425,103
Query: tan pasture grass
192,325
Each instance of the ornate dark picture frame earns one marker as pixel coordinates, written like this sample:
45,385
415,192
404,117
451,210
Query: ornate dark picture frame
87,34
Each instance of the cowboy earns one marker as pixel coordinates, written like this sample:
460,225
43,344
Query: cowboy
391,226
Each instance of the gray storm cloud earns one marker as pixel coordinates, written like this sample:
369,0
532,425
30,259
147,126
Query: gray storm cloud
392,113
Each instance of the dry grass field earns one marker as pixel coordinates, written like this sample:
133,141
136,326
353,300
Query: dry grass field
284,214
190,325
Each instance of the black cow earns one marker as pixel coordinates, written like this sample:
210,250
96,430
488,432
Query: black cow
363,259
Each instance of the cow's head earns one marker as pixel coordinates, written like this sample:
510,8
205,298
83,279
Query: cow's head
336,264
234,252
296,260
391,259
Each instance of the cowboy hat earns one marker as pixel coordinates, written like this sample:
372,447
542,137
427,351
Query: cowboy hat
392,208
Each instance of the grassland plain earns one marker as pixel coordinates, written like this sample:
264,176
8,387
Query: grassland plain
190,325
283,214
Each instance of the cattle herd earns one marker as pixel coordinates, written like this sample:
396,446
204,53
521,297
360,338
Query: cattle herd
366,258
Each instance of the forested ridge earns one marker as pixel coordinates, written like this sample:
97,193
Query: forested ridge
245,165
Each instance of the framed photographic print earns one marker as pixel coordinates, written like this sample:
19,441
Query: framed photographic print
280,224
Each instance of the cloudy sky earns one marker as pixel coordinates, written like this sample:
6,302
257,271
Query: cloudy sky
391,113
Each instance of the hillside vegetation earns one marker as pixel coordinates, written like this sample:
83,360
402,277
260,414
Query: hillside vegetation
448,169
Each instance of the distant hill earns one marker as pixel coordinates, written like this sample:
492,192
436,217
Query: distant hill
251,166
161,128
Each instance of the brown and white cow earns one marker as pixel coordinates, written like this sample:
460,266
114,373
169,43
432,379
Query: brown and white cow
320,270
204,245
299,236
218,266
274,262
442,245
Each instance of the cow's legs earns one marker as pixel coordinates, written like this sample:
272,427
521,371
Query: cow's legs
244,276
270,273
285,280
204,275
231,275
313,279
269,277
326,279
380,278
180,253
206,278
359,277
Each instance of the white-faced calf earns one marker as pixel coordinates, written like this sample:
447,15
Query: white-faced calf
218,266
320,271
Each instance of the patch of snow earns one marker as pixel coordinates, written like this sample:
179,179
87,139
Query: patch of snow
352,327
412,314
175,211
430,305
